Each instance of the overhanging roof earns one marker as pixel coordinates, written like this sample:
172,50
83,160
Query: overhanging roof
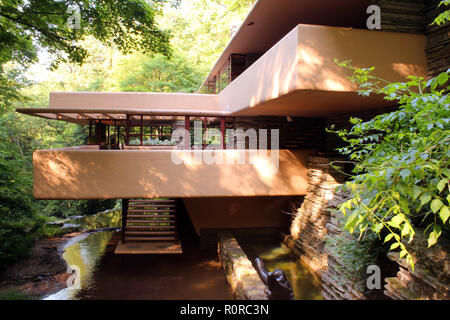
80,107
269,20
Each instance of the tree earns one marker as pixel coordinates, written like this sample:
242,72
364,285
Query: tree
48,24
128,24
159,74
202,28
401,176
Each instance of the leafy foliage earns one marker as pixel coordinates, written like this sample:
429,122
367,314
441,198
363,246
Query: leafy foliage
354,256
159,74
129,26
203,28
443,17
401,161
26,26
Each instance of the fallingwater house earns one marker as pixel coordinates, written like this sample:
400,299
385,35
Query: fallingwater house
277,72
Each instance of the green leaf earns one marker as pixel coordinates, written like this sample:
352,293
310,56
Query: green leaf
441,185
351,222
446,171
434,235
396,221
415,193
394,246
378,227
425,198
436,204
406,229
444,214
405,173
442,78
388,237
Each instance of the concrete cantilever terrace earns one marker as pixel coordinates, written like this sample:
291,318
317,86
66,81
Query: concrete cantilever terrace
296,77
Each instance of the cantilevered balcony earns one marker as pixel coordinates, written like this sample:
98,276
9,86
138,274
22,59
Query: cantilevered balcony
89,173
299,77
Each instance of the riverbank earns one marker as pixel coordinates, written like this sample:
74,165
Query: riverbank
43,272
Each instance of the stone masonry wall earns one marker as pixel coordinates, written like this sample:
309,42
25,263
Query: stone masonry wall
438,40
337,282
239,271
402,15
308,228
416,16
317,221
430,279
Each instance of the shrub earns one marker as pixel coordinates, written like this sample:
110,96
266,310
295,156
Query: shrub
401,174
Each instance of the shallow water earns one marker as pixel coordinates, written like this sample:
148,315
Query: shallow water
195,274
84,253
277,256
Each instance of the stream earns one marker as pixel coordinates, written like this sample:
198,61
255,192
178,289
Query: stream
194,275
277,256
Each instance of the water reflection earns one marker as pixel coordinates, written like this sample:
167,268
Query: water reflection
196,274
105,219
85,252
277,256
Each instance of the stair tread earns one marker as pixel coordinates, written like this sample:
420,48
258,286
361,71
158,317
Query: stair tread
151,221
152,210
151,205
149,227
151,201
143,233
148,239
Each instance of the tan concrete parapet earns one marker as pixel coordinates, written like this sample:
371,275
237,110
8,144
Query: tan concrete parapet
116,174
298,76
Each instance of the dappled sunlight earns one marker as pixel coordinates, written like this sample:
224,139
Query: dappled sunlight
274,253
265,167
318,71
274,74
311,58
295,226
408,69
103,174
298,75
335,85
310,211
243,268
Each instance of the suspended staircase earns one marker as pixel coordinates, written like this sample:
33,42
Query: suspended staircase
149,226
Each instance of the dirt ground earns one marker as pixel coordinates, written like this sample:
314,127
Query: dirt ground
43,272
